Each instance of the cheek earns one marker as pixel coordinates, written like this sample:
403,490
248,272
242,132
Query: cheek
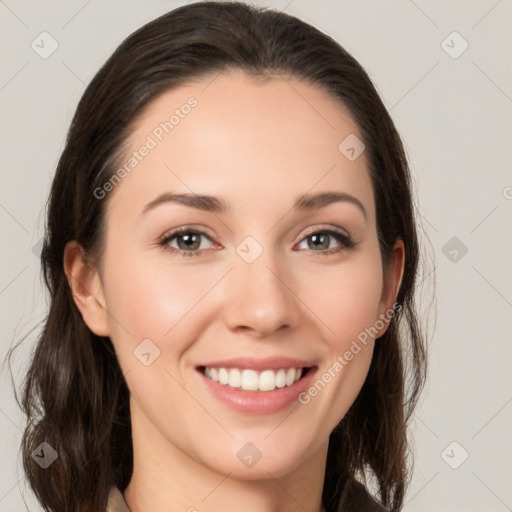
346,298
148,299
347,305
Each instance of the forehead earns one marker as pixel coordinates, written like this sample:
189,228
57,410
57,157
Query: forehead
232,134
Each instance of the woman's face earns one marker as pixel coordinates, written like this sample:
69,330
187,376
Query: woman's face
269,277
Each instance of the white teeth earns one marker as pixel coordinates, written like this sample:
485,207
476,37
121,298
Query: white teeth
223,376
290,376
251,380
267,381
280,378
235,379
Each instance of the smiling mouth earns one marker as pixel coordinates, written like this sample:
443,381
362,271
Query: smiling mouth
252,380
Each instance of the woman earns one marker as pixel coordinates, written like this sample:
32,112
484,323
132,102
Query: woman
231,255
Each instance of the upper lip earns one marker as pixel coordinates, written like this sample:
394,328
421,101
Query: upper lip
252,363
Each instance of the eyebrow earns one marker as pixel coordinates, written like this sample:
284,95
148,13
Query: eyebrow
305,202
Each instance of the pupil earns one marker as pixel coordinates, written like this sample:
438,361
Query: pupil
188,240
323,245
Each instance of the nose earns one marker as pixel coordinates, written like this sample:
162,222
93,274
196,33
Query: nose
261,298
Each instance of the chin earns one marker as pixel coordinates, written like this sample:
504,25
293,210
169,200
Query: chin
259,460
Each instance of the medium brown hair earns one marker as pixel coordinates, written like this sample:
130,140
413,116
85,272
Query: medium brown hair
75,396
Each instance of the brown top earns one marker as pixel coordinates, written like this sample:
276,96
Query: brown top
116,501
365,502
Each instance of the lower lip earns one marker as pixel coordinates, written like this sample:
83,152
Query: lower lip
258,402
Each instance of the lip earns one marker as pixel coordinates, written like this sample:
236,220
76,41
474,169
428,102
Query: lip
252,363
258,402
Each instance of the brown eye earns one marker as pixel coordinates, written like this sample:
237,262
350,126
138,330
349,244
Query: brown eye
188,242
320,241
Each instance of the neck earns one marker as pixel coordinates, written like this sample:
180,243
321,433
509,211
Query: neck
165,478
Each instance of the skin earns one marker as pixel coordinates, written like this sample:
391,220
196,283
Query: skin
258,144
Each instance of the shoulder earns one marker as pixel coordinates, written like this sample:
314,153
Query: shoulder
116,501
363,499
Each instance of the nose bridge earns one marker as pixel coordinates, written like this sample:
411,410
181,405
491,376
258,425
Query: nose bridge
259,295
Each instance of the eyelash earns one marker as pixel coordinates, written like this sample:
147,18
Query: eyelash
345,240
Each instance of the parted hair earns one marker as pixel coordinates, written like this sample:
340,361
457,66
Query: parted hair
74,394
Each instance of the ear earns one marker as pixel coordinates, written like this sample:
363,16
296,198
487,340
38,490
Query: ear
86,288
392,280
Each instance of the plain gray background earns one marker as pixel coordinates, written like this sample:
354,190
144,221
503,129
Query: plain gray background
453,109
